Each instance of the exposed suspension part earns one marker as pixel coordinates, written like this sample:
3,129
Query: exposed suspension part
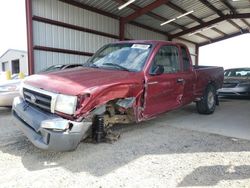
114,112
98,133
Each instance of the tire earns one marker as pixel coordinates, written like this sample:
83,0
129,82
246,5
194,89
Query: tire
208,102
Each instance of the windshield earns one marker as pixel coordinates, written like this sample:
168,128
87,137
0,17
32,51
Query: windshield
237,73
123,56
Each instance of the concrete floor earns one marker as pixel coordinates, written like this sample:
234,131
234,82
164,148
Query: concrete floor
163,152
231,118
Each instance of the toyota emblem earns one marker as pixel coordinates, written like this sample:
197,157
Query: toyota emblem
33,99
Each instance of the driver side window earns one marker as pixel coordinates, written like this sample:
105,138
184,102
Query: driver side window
168,58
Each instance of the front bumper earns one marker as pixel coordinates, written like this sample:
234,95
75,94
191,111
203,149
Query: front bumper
6,98
48,131
237,91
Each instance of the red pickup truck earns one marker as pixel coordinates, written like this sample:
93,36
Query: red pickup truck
124,82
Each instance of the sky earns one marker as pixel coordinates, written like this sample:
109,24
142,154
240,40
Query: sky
229,53
13,25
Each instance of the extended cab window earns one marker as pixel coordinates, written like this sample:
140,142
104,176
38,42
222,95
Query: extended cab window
185,58
168,58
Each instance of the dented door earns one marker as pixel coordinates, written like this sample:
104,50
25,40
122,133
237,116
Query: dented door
164,92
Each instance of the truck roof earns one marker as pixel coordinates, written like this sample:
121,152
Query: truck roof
150,42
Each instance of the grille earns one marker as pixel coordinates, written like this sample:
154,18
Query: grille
37,99
229,85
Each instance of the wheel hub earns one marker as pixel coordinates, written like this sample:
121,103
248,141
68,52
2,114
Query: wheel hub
210,99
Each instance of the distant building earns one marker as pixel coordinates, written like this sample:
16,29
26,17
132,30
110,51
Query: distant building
14,61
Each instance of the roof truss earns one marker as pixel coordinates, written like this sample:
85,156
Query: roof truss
157,17
148,10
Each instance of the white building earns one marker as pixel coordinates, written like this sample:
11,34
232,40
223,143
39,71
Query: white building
14,61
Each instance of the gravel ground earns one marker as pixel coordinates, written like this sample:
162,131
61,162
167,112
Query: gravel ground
151,154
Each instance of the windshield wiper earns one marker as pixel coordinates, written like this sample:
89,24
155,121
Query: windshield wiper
118,66
92,65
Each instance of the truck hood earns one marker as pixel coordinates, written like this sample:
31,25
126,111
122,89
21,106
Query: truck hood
81,80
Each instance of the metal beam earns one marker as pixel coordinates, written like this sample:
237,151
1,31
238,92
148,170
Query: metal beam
246,23
151,14
87,7
217,11
144,10
197,55
229,6
61,50
212,22
234,11
243,31
29,24
191,16
121,29
209,5
160,18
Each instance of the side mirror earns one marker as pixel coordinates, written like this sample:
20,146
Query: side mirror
158,70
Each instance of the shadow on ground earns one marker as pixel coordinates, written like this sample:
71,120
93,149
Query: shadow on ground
151,137
212,175
5,111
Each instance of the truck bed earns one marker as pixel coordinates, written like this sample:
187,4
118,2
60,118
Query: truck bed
206,74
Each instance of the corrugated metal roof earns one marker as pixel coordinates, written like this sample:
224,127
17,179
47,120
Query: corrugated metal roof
201,11
108,6
240,23
143,3
226,27
194,38
240,4
218,4
169,13
149,21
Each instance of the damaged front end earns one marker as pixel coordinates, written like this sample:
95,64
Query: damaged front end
92,116
119,111
48,131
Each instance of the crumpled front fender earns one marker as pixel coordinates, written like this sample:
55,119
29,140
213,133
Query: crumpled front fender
101,95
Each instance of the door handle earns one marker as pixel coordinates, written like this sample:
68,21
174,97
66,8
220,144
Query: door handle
152,83
180,80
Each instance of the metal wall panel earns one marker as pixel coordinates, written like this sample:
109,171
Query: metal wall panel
48,35
134,32
60,37
59,11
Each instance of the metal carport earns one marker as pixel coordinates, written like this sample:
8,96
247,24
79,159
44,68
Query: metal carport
69,31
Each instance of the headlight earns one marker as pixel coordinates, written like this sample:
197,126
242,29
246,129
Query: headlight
66,104
9,88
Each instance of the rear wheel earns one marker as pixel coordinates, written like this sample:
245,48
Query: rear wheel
208,102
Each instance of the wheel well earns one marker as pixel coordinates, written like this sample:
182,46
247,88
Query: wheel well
120,110
213,83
